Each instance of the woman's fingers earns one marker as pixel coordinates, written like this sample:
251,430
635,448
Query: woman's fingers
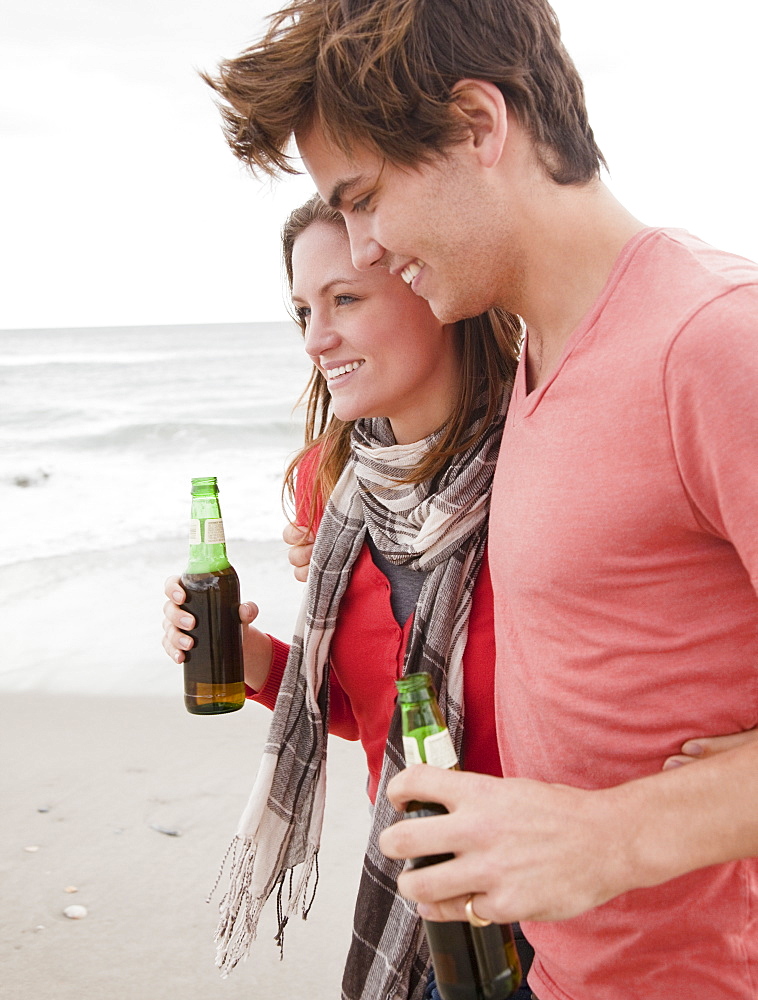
703,747
172,588
175,642
248,612
176,621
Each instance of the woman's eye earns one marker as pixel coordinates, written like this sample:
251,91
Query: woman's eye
344,300
302,313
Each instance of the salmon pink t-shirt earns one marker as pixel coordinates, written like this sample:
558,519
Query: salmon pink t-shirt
624,560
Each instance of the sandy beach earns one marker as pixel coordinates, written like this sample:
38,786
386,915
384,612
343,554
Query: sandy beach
125,806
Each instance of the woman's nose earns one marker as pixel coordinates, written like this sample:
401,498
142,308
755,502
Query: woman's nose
320,335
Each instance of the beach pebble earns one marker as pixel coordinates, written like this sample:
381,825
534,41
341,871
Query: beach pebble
71,888
26,479
75,912
168,831
32,849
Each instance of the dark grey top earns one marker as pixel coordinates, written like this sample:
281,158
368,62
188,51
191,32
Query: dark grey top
405,584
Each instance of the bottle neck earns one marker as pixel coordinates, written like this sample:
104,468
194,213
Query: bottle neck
415,687
207,550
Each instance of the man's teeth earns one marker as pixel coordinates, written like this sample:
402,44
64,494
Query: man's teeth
343,369
410,271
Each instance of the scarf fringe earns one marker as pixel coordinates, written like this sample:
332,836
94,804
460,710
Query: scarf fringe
299,898
240,910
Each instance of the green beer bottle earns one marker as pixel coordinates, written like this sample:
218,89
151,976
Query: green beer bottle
470,963
213,668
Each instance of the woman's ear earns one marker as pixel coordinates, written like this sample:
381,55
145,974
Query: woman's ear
483,107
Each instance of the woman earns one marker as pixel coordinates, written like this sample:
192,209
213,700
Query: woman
402,431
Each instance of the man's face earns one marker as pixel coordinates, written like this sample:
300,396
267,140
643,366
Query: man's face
431,224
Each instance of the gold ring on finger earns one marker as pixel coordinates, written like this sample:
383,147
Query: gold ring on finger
472,916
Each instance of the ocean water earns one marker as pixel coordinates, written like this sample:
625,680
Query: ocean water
101,431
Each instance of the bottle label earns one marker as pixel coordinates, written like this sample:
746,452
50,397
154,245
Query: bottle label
214,531
439,749
410,751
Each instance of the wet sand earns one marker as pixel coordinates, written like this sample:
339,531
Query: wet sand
132,802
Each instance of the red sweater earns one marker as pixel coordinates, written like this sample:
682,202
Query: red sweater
366,657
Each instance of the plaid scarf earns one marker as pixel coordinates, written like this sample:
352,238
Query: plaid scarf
439,527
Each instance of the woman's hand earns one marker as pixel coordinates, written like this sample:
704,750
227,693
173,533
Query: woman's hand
256,645
708,746
301,542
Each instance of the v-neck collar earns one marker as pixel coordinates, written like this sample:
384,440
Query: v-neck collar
525,402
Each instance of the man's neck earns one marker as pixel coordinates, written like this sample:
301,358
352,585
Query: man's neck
572,236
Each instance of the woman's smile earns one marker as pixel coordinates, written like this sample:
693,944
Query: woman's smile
341,368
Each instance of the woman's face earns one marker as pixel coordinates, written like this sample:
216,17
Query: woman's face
379,346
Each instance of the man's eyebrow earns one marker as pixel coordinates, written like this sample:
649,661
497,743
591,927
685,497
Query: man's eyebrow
342,187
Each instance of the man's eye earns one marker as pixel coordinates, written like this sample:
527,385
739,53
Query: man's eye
362,205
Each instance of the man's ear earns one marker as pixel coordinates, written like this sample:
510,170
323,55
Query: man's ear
483,107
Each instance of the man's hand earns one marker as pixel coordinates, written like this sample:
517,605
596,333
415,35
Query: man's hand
300,541
528,850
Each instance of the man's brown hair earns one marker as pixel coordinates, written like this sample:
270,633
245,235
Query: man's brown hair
380,74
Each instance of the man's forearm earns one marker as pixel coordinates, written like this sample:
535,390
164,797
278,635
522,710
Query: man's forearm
690,817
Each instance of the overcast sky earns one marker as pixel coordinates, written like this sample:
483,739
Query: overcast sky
121,205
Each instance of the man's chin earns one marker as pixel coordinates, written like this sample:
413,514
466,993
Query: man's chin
442,310
449,312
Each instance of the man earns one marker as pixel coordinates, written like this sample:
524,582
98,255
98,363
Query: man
623,546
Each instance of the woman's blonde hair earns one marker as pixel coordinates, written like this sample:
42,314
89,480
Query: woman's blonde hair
488,347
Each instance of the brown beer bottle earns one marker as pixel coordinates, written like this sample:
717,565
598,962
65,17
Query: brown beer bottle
213,668
470,963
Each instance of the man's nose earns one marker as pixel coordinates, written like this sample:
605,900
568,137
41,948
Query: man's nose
366,254
365,250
